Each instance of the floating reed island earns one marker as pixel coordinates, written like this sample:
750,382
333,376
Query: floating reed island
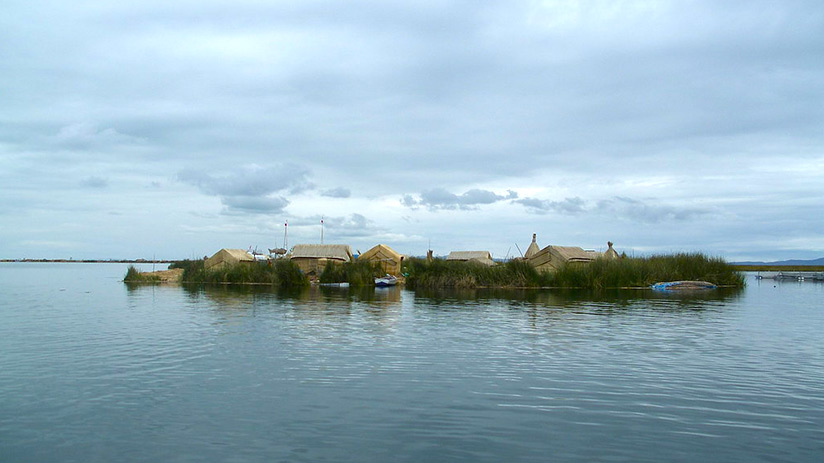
600,273
429,273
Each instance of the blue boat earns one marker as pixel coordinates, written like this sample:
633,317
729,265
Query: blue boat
682,285
386,281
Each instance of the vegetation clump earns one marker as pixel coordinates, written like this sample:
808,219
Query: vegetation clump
281,273
440,273
133,275
599,274
356,273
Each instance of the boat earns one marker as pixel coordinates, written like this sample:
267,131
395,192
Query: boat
388,280
335,285
682,285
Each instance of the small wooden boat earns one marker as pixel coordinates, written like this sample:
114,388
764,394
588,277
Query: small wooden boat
388,280
682,285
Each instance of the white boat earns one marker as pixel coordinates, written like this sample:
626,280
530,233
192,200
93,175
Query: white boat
388,280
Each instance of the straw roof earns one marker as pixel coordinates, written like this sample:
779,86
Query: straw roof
574,253
228,257
533,248
469,255
388,258
483,257
322,251
381,251
611,253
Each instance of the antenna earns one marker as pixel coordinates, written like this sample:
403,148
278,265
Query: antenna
285,229
321,229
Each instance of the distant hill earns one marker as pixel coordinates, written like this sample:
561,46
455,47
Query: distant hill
796,262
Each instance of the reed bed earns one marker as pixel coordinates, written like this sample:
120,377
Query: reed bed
599,274
281,273
133,275
440,273
357,273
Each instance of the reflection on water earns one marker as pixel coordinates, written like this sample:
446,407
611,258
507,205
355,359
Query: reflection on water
574,297
94,370
240,295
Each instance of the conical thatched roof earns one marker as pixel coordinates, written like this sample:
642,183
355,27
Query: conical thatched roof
533,248
611,253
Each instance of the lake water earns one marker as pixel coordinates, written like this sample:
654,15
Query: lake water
92,370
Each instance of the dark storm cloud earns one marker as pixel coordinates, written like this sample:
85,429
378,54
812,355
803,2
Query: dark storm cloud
440,198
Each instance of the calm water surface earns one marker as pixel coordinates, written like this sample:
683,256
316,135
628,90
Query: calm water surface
92,370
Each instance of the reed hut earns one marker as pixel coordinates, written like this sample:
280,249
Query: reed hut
611,253
483,257
389,260
312,258
226,257
533,248
551,258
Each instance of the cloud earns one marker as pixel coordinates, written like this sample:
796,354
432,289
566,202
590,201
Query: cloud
440,198
254,204
542,206
250,180
339,192
585,98
250,189
85,135
94,182
618,207
633,209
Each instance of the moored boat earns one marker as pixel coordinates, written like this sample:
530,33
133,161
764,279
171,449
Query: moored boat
682,285
385,281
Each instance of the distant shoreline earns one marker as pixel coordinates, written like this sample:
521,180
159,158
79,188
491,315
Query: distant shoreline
93,261
778,268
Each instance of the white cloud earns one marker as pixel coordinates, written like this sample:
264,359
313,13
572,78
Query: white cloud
700,118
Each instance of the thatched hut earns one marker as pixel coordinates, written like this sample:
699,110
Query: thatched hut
226,257
312,258
611,253
389,260
552,258
533,248
483,257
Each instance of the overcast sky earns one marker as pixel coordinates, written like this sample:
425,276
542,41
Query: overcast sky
173,128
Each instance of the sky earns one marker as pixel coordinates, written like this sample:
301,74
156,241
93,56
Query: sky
173,128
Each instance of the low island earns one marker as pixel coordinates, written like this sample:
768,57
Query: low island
599,273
